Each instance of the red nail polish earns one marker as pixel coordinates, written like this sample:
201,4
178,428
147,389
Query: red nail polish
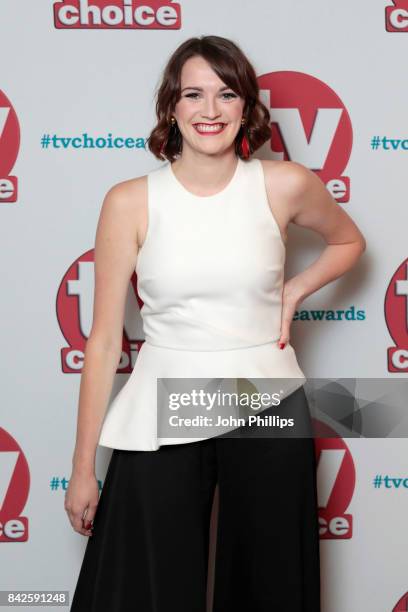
281,345
88,525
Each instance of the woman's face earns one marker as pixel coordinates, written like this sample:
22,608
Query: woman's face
206,101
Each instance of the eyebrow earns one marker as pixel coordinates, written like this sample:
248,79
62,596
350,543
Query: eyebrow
201,89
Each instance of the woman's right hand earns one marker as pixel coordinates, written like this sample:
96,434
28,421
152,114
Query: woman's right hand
81,499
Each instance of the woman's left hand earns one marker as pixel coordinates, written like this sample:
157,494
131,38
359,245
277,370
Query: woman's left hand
291,297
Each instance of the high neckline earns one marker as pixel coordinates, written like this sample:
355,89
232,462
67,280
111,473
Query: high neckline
213,196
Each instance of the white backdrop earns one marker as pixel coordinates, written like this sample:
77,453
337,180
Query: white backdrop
334,69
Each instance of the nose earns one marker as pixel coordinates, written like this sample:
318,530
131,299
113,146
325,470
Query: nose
210,110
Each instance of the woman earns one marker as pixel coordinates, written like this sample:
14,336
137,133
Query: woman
208,232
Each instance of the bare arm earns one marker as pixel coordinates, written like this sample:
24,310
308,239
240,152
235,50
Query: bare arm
116,248
115,256
313,207
308,203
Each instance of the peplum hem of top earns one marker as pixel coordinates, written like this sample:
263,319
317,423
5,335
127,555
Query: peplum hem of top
131,421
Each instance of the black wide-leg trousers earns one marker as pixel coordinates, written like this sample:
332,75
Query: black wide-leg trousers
150,543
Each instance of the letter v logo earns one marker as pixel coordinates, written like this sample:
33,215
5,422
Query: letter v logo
9,147
14,489
309,125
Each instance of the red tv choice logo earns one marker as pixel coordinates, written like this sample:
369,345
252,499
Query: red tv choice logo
336,480
402,604
396,318
111,14
9,146
396,16
75,313
310,125
14,489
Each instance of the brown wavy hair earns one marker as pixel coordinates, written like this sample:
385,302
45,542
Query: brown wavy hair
234,69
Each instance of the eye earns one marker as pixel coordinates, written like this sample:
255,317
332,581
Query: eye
229,94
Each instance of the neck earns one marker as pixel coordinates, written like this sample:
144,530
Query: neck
211,172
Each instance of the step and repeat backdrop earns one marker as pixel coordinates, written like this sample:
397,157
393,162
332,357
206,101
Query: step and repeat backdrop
77,90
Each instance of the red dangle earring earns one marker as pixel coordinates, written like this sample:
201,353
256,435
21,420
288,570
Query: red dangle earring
244,143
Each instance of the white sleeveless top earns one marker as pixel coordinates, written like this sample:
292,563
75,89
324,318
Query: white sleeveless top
210,275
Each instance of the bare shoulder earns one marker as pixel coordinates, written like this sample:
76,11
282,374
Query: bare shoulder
125,204
129,194
297,193
289,177
307,202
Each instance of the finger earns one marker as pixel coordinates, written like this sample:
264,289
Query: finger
86,532
82,530
283,340
88,518
79,525
87,524
285,331
90,513
288,311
